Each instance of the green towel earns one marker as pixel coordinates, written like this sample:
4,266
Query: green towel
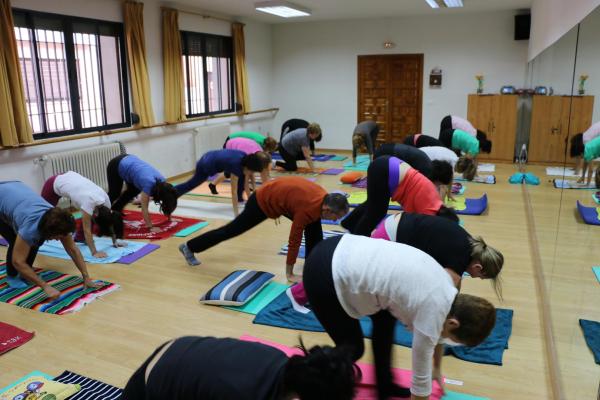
191,229
261,299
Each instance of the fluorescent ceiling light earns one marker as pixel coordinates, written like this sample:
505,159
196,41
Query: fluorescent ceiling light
453,3
433,3
282,9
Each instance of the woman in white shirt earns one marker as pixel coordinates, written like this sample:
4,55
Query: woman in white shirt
93,203
349,277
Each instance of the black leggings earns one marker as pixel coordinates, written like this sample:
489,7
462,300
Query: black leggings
343,329
7,232
118,197
366,216
289,161
136,386
251,216
446,123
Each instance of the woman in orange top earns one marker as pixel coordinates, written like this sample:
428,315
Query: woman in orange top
391,178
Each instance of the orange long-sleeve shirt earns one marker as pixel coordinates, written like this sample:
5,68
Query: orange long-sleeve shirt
296,198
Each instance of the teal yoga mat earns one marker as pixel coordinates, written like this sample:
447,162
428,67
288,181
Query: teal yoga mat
261,299
338,158
191,229
461,396
596,271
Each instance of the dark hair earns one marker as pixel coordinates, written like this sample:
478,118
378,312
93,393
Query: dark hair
442,172
337,202
165,194
270,144
485,145
318,138
110,223
448,212
577,146
597,178
56,222
476,316
323,372
256,161
481,135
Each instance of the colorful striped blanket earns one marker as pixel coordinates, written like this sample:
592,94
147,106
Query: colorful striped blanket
73,296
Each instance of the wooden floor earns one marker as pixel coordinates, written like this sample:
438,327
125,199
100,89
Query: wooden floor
159,300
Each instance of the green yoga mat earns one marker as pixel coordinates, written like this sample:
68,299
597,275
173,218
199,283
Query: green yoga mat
362,164
596,271
338,158
191,229
461,396
261,299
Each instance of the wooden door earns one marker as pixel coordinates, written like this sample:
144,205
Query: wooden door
503,128
390,92
546,143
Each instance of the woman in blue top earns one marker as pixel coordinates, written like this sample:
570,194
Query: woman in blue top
139,177
26,221
236,164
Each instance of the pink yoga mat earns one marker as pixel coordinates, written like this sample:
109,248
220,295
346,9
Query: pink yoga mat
366,388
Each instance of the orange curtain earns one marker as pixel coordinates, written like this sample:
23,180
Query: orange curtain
241,76
14,122
138,68
172,67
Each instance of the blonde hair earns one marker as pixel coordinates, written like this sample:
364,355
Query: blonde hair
358,142
491,262
467,167
313,129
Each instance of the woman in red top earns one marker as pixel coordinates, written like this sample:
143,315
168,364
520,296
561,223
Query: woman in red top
391,178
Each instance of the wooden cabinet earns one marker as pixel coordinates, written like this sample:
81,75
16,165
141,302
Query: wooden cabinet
554,120
496,115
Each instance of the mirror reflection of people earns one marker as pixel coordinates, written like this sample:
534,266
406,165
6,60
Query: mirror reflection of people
579,144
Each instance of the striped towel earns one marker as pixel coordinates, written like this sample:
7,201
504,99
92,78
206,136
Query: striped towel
90,389
73,295
237,288
302,251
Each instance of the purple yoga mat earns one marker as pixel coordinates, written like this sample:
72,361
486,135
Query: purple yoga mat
3,242
361,183
133,257
333,171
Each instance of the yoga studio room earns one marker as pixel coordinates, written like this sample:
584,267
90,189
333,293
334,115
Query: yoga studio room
299,200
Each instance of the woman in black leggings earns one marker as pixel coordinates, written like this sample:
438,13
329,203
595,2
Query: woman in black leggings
349,277
421,140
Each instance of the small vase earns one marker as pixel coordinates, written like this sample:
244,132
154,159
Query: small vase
480,88
581,91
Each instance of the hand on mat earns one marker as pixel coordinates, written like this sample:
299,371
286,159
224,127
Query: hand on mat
436,375
52,293
155,229
90,284
100,254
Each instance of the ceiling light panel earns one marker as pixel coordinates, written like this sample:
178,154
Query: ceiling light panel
432,3
453,3
282,9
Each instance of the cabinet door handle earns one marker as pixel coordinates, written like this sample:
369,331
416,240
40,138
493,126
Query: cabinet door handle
554,131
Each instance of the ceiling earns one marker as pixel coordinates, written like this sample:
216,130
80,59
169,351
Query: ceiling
347,9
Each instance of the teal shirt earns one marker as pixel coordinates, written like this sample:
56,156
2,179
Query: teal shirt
464,142
257,137
592,149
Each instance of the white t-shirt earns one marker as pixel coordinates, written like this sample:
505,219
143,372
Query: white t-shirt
372,275
440,153
83,193
592,133
463,125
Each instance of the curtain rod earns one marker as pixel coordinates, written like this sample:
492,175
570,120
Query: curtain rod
207,16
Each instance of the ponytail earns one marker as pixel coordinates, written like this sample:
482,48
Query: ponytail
491,262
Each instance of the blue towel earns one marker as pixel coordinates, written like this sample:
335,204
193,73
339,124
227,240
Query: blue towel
54,248
591,332
281,313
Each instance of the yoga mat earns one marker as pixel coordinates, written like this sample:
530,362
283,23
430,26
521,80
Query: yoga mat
561,171
333,171
317,157
470,206
144,251
196,208
596,271
596,197
191,229
361,183
135,227
357,198
302,250
588,214
54,248
486,167
280,312
571,184
267,294
12,337
300,171
91,389
338,158
365,390
362,164
591,333
223,188
458,188
73,296
3,242
26,377
37,387
487,179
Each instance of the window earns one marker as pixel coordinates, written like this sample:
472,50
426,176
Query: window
207,73
73,73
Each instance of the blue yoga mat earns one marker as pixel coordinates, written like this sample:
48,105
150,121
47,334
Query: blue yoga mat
588,214
591,332
281,313
474,206
54,248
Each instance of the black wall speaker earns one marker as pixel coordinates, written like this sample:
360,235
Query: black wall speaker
522,26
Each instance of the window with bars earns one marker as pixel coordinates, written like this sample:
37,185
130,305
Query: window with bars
207,73
74,73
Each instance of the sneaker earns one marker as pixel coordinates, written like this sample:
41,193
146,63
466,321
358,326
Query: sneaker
188,255
213,188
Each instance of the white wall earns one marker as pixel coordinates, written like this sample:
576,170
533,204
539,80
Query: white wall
170,149
315,65
588,58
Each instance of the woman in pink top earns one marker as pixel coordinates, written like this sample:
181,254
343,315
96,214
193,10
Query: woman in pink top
247,146
391,178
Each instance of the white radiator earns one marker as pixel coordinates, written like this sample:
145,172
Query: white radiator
90,162
210,137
